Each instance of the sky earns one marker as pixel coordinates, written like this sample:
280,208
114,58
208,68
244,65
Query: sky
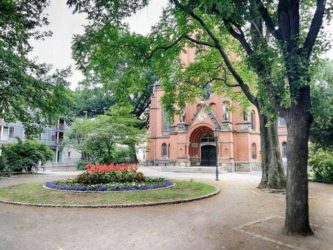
56,50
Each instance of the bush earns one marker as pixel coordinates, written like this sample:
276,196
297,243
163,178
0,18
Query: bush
322,165
25,155
4,170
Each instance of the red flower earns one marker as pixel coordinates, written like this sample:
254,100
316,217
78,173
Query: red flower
92,169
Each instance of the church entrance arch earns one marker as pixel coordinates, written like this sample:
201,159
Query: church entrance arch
202,149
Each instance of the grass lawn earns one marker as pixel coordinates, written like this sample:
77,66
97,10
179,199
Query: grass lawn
34,193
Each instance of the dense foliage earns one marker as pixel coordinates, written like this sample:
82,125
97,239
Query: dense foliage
25,156
99,138
279,42
89,102
321,132
29,91
124,75
321,162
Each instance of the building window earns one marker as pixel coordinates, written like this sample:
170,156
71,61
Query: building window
226,115
253,120
69,154
5,132
245,116
254,151
165,121
207,138
164,151
284,149
11,132
169,150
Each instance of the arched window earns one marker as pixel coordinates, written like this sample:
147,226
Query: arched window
254,151
165,121
284,149
169,150
253,120
207,138
245,116
164,151
225,110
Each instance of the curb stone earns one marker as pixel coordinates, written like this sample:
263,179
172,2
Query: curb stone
146,204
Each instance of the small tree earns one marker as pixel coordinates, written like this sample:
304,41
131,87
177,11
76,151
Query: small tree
96,138
25,155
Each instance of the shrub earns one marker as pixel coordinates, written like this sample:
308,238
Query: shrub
322,165
25,155
4,170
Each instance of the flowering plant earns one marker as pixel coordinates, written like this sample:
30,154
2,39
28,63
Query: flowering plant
92,169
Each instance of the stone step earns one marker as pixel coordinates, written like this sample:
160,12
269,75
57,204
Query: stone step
178,169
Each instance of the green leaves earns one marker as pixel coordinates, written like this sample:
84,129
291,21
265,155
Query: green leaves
25,155
321,132
98,136
29,92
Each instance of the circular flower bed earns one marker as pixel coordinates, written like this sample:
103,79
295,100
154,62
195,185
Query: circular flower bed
109,178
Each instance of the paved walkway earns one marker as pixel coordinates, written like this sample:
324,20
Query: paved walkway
240,217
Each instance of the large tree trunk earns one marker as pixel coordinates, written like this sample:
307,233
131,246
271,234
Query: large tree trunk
271,162
297,210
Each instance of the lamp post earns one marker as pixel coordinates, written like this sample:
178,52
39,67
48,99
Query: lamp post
216,135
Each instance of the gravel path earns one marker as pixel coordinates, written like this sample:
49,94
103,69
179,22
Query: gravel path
226,221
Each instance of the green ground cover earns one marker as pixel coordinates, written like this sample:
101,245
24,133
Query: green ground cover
35,193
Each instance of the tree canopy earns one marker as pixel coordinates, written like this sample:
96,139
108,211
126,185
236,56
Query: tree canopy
29,92
278,41
97,137
111,57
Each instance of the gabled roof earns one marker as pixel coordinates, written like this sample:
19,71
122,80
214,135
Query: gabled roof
210,114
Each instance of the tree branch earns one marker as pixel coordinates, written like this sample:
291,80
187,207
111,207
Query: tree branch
199,42
268,21
245,88
164,47
315,26
238,35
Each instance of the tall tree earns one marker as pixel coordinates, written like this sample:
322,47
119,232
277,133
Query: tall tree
293,51
28,91
282,63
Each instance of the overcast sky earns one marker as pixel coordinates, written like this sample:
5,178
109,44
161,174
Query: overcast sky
56,50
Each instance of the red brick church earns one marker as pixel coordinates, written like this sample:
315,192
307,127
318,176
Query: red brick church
202,136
